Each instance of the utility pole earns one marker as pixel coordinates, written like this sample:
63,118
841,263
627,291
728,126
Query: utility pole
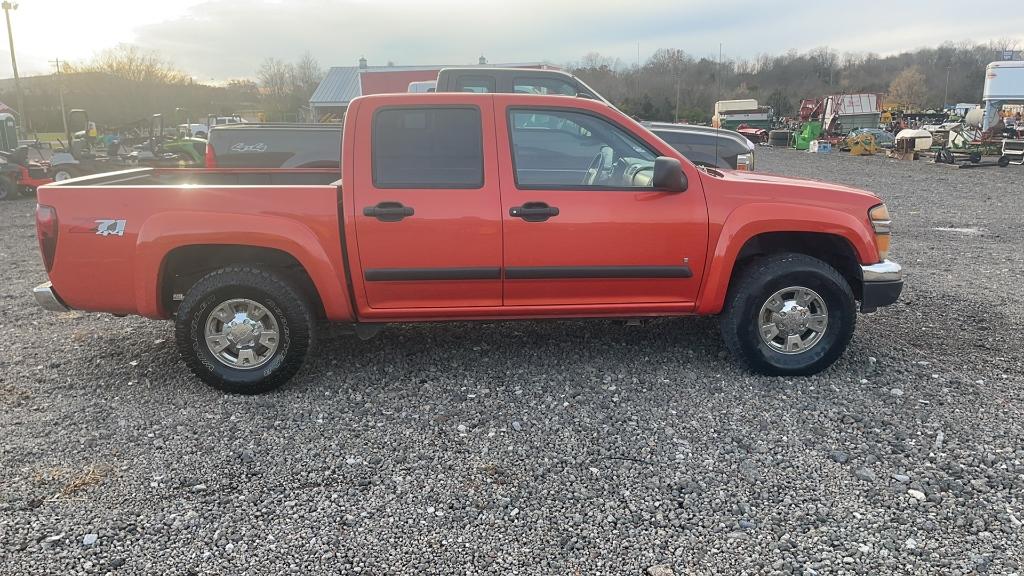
638,72
22,116
675,72
60,90
945,96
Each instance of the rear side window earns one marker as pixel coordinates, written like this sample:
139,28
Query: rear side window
478,84
543,86
428,148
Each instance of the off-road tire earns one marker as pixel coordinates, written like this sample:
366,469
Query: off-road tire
277,295
755,283
8,189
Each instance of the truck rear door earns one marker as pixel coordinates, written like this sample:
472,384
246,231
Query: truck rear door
577,230
427,207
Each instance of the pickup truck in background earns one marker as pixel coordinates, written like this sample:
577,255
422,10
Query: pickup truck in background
274,145
489,80
458,206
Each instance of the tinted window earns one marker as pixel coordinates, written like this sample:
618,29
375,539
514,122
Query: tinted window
428,148
479,84
705,149
543,86
565,149
253,146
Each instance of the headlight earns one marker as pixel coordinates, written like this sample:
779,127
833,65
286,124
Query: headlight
745,161
882,223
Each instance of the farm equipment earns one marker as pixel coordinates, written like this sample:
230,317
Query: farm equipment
20,175
87,153
809,132
863,144
1013,153
181,150
949,156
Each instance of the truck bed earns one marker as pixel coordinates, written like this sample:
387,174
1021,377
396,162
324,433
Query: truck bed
208,177
117,229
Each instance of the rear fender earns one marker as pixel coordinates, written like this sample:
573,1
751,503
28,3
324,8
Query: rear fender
751,220
170,230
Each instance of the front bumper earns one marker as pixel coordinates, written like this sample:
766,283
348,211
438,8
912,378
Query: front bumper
47,298
882,284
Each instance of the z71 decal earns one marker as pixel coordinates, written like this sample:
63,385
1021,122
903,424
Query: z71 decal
110,227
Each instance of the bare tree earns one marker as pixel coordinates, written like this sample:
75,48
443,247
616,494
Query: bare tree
307,75
908,89
132,63
276,78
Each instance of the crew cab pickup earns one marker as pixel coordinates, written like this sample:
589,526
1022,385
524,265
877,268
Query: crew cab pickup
459,206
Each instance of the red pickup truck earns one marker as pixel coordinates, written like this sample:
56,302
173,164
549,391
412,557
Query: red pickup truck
462,207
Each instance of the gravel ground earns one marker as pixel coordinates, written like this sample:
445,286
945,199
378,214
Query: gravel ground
555,448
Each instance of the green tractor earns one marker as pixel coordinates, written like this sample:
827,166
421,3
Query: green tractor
180,150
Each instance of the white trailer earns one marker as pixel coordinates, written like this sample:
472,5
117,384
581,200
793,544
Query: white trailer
1004,84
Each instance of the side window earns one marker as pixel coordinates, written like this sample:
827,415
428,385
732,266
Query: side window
528,85
427,148
567,149
478,84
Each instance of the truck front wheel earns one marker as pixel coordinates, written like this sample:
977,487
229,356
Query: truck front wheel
244,330
788,315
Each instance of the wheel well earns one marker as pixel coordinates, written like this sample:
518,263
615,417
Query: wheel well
830,248
183,267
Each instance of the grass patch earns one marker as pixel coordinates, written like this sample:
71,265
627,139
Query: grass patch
68,482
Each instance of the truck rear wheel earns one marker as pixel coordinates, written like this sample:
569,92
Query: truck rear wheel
244,330
788,315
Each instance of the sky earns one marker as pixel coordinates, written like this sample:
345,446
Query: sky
214,40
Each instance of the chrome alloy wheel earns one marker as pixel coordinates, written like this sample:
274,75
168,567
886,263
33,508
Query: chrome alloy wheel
793,320
242,334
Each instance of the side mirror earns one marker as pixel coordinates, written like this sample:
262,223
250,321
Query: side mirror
668,175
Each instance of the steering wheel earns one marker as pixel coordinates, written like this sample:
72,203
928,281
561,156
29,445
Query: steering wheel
601,163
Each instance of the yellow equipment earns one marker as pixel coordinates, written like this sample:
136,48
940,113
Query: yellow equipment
863,144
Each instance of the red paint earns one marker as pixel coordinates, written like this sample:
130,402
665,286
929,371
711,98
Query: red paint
393,81
705,226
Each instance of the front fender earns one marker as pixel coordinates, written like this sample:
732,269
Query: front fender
167,231
750,220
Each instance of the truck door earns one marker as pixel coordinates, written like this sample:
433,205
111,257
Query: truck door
581,224
426,205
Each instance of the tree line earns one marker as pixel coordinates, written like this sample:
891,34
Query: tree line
126,85
672,84
123,87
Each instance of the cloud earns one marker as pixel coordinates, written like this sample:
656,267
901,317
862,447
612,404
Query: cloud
220,39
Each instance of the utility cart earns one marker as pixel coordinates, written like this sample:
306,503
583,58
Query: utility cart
1013,153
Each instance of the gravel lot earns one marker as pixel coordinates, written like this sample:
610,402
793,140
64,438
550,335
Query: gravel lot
555,448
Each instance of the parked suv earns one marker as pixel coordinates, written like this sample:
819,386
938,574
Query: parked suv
707,146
